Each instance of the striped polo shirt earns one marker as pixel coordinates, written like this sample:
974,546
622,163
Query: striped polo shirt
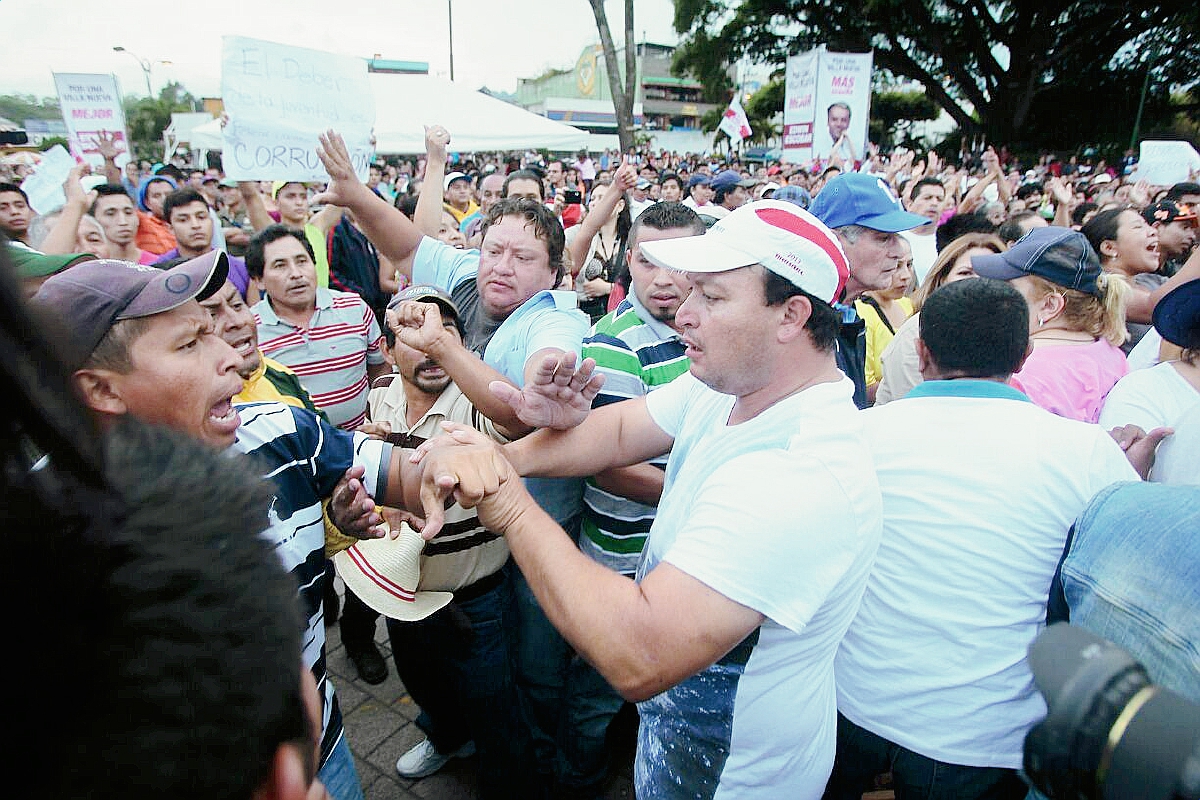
305,458
636,354
331,355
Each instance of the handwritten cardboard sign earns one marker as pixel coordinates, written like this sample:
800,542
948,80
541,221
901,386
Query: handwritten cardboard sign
279,98
1163,163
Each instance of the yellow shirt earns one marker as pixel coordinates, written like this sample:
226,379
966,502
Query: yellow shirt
878,335
459,216
257,390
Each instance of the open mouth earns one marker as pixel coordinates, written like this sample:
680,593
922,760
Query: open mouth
244,347
224,416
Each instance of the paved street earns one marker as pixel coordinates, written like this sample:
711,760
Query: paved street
379,724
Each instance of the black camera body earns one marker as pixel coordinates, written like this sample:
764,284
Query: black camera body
1109,732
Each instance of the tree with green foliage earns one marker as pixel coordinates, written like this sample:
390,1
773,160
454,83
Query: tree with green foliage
1001,69
894,112
20,107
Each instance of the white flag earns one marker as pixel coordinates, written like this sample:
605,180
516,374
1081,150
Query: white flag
734,121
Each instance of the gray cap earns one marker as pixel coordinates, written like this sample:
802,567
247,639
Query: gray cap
88,299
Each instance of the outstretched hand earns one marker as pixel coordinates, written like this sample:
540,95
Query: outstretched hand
559,396
106,145
344,186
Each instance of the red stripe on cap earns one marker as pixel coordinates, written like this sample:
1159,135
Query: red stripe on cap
384,583
802,227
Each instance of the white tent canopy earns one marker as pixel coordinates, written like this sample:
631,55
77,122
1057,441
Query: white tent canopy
404,104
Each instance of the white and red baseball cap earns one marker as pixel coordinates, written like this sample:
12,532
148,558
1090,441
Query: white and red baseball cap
780,236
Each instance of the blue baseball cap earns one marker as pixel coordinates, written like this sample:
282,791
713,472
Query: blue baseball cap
728,177
1060,255
699,179
853,198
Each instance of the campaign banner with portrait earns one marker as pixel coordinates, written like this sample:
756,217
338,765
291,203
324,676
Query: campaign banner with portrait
278,98
91,107
827,102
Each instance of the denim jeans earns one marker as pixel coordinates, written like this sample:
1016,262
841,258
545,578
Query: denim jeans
1132,576
861,755
567,704
339,774
457,666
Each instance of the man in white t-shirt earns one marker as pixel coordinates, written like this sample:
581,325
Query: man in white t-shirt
925,198
932,676
766,530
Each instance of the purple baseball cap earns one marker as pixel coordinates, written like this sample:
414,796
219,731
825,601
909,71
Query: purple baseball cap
88,299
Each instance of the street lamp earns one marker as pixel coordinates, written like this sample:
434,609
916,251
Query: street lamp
146,65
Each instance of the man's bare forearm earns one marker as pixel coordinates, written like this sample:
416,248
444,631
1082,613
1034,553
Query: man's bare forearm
616,435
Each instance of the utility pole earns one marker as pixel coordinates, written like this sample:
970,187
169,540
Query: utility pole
450,16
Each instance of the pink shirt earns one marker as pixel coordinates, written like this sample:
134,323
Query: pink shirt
1072,380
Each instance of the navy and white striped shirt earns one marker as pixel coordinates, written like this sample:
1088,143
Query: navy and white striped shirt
305,457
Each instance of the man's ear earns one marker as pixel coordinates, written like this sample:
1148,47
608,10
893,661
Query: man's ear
924,360
796,311
286,780
100,390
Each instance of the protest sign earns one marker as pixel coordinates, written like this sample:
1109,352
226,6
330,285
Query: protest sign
799,88
45,186
91,105
826,105
1166,163
279,98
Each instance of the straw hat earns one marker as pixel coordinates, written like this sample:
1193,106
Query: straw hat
384,573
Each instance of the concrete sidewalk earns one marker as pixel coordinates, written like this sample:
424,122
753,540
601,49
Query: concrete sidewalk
379,726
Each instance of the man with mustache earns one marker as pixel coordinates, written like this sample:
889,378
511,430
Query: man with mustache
330,339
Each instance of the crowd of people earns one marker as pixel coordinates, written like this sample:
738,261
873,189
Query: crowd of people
794,459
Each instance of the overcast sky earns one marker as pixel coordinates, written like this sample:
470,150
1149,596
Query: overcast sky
495,41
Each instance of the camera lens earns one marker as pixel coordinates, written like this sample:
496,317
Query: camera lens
1109,732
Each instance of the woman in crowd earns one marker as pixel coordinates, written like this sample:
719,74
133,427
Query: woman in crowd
1128,247
1076,320
884,311
898,361
1164,395
597,249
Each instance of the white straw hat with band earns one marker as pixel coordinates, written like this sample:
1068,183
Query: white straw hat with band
384,573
